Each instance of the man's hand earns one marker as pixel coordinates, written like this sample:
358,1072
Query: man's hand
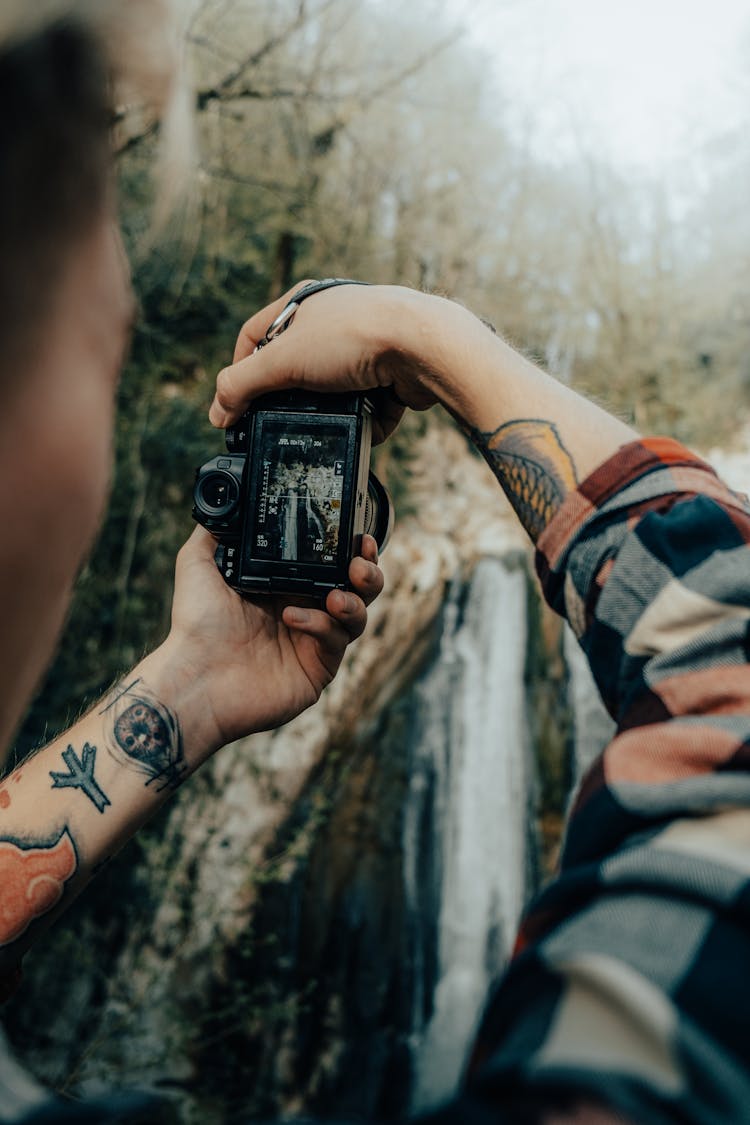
412,349
347,338
228,667
247,665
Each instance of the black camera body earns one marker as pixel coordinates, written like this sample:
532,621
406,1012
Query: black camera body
292,497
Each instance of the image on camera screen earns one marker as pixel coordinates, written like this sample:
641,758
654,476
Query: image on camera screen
298,511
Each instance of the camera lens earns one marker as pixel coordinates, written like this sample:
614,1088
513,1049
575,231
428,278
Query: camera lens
216,493
378,512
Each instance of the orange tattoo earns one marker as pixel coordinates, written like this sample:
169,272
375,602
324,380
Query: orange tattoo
32,880
4,798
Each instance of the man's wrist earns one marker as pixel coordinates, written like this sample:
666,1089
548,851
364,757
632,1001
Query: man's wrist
180,688
454,357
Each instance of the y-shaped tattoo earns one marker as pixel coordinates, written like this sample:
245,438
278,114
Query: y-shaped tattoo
533,466
80,775
145,735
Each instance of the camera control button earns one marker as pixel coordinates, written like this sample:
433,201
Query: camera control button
236,439
223,463
219,556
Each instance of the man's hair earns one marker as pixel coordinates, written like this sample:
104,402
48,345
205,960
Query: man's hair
65,70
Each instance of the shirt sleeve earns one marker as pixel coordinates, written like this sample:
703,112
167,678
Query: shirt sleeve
630,982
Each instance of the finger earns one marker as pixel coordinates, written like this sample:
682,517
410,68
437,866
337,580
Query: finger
332,637
366,578
275,368
200,546
369,548
254,329
349,610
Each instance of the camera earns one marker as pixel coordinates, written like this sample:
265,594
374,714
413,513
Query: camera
294,494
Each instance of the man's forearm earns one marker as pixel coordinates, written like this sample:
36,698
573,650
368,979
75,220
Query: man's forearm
68,808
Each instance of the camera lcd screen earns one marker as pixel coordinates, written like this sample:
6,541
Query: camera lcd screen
301,471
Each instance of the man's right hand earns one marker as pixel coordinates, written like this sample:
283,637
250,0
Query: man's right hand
347,338
411,349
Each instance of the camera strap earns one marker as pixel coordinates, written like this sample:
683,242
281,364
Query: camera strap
286,316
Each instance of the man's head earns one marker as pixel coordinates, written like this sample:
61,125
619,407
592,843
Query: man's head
54,177
65,310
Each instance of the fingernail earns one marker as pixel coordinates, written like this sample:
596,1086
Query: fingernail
299,616
348,602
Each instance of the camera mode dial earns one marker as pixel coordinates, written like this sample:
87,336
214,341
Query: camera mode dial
237,436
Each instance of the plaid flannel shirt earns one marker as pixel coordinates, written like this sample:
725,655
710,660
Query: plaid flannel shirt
630,981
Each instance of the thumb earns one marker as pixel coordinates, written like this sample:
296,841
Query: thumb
199,548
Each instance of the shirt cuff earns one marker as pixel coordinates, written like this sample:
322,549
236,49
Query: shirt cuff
631,482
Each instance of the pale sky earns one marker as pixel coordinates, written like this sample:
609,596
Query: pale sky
649,83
